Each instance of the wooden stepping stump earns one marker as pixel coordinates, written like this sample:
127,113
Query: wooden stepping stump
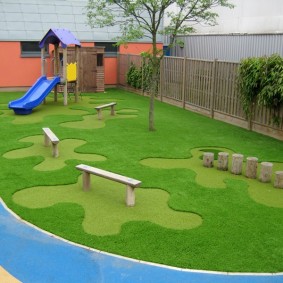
237,164
265,172
222,163
278,181
251,167
208,159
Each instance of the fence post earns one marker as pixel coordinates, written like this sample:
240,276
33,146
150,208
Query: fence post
213,90
161,80
128,66
142,70
118,68
183,82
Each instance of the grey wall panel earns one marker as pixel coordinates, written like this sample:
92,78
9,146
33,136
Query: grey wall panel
229,47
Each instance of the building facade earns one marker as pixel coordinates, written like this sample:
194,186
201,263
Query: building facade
252,28
23,23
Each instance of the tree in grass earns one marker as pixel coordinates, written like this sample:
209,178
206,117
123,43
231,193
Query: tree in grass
144,18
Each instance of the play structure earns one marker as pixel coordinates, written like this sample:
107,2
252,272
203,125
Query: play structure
89,66
44,85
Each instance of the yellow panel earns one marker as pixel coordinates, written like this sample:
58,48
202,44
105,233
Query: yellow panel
71,72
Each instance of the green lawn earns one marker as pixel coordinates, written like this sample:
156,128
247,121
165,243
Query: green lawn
185,215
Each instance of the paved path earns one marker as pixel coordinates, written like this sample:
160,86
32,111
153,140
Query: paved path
32,256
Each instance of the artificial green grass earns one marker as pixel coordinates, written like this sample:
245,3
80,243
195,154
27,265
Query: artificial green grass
104,206
241,227
67,149
213,179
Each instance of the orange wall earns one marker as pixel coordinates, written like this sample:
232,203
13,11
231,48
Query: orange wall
14,70
137,48
111,63
87,44
17,71
110,67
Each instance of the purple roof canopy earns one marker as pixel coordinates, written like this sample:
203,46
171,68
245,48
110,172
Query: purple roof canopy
59,35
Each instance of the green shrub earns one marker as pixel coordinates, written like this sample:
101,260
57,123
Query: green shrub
260,80
271,94
250,76
134,76
141,77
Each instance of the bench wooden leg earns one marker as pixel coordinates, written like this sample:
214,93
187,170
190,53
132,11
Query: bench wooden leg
130,196
112,110
99,113
46,140
86,181
55,150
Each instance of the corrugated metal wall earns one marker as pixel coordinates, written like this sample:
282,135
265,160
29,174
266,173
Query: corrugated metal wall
229,47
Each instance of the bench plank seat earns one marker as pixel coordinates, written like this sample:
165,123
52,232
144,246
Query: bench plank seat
49,136
129,182
99,109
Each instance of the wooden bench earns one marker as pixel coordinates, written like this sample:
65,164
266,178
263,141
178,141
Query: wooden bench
131,184
99,109
49,136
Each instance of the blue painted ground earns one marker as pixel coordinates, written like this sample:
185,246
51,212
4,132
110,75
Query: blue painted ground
33,256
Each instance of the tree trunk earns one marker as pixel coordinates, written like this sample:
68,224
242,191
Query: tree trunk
154,83
151,112
152,96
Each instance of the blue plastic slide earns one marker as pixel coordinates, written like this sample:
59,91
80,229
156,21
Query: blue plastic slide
34,96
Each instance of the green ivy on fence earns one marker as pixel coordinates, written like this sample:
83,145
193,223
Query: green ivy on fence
141,77
260,80
134,76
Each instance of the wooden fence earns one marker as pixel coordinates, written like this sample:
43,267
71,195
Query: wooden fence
206,87
124,63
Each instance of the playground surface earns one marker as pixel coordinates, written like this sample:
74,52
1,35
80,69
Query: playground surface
185,215
29,254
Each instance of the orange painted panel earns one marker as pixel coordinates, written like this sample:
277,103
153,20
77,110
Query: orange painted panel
110,67
87,44
137,48
15,70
